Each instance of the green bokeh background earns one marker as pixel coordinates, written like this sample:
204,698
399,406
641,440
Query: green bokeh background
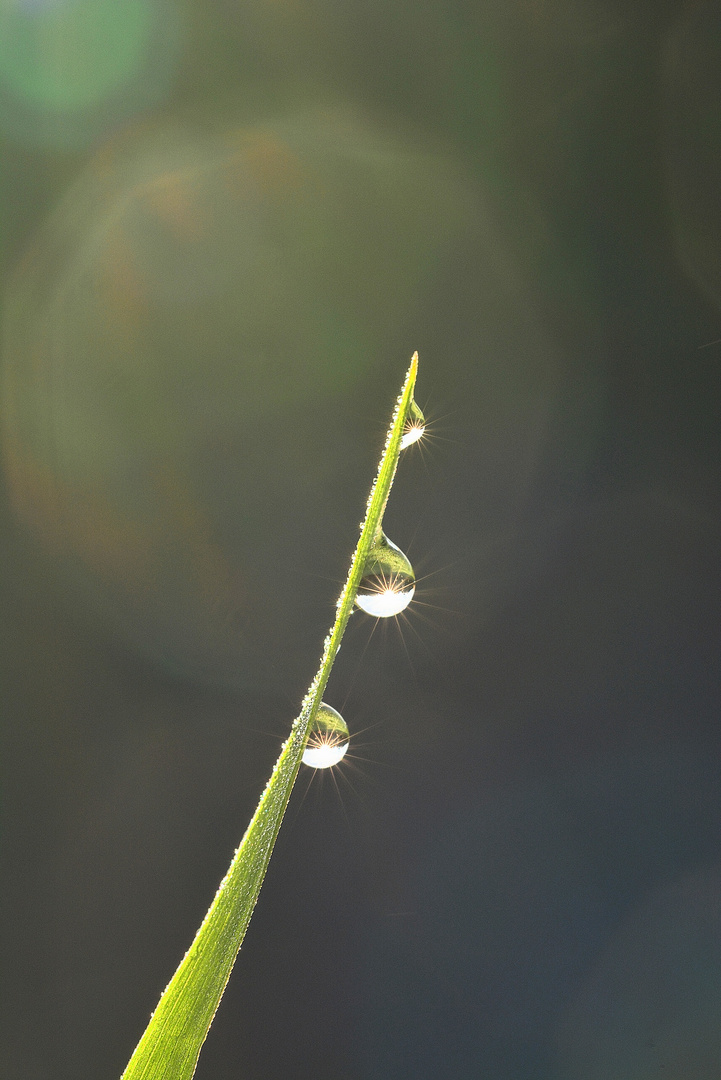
225,228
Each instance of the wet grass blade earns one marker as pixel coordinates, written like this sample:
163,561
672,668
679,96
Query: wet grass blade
169,1048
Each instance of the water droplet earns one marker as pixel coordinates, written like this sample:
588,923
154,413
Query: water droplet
328,739
388,582
415,426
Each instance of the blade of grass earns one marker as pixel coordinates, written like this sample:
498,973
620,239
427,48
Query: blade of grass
171,1043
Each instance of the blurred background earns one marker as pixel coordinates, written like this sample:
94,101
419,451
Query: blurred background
226,225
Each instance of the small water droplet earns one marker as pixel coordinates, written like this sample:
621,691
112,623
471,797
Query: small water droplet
388,582
328,739
415,426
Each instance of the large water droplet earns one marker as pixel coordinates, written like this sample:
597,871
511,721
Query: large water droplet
388,581
415,426
328,739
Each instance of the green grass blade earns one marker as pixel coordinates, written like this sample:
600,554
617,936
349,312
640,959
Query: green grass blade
169,1048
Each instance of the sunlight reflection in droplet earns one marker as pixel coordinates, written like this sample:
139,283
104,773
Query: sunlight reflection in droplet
388,582
328,739
385,598
412,435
